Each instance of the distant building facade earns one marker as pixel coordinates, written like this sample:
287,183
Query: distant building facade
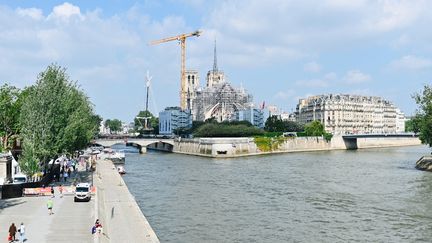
252,115
350,114
172,118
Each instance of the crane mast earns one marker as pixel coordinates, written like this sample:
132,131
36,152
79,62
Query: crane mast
182,39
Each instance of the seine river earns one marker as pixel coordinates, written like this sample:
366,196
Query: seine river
372,195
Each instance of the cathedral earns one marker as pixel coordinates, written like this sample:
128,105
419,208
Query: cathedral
218,99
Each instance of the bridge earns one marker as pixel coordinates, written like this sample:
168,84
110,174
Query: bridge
141,143
355,141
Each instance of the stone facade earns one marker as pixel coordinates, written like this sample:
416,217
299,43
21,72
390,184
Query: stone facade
219,99
351,114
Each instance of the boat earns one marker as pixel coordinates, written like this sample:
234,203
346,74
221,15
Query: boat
117,157
121,170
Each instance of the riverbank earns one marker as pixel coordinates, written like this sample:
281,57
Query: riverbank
117,209
71,222
240,147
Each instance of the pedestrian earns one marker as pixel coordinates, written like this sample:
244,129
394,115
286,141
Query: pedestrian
61,191
21,231
12,232
98,226
65,176
50,205
52,192
69,171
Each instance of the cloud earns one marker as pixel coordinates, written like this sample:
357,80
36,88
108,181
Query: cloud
33,13
356,77
410,62
65,11
312,67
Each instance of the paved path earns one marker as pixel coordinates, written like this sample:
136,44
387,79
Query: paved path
71,222
118,211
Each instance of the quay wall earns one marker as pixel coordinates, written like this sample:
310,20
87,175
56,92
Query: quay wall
387,142
117,210
236,147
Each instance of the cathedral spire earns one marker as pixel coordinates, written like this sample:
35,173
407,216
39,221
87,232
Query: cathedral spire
215,68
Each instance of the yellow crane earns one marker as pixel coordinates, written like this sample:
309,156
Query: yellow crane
182,39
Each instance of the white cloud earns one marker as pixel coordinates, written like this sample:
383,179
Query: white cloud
356,77
312,67
65,12
410,62
33,13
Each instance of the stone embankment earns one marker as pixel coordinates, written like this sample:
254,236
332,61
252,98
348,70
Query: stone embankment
117,209
236,147
424,163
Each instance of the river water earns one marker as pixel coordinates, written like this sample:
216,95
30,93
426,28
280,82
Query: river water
372,195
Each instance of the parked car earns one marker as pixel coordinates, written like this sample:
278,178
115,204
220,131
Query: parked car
19,178
82,192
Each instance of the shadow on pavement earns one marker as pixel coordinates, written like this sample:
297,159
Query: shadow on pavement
5,203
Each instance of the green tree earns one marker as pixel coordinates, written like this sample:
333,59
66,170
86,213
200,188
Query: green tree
56,117
153,123
413,124
11,100
423,118
227,130
114,125
315,128
274,124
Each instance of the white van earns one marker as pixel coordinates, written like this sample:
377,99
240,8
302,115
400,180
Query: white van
82,192
19,178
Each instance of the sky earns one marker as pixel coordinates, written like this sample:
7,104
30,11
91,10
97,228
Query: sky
278,50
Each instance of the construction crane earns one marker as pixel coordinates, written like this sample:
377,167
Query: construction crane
183,85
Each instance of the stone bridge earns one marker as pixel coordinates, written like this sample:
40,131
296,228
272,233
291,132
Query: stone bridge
141,143
355,141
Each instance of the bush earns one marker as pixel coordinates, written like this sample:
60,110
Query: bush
227,130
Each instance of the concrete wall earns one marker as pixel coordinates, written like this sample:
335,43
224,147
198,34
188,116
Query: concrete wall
387,142
234,147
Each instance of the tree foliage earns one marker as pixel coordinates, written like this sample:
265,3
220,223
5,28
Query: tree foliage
227,130
11,100
114,125
153,122
423,118
275,124
56,117
315,128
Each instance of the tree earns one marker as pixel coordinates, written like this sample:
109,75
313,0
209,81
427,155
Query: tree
274,124
423,118
226,130
153,122
10,107
413,124
315,128
56,117
114,125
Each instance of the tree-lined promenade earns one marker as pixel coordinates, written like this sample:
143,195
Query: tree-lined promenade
52,117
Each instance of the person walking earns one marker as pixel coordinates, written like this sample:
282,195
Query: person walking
12,232
65,176
21,231
50,205
61,191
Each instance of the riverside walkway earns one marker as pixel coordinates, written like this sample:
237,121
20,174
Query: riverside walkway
119,214
117,209
71,222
